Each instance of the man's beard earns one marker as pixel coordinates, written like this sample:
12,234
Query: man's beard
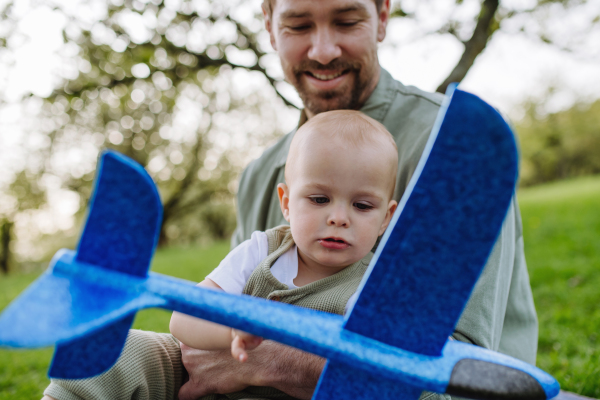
340,99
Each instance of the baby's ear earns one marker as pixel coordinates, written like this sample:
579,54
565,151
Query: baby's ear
284,200
392,205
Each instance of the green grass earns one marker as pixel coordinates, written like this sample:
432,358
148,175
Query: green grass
562,243
23,372
561,223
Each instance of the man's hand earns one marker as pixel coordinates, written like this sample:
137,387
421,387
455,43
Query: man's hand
242,341
272,364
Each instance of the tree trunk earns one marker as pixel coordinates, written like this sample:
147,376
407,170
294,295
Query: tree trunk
5,233
474,46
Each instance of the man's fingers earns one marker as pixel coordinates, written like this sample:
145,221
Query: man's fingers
189,391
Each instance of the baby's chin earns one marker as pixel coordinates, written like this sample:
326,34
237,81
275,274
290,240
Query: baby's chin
338,264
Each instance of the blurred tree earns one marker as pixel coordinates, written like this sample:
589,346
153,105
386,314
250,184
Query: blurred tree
180,87
559,145
192,91
5,237
565,24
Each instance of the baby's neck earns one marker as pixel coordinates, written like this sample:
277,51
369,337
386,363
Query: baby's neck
309,271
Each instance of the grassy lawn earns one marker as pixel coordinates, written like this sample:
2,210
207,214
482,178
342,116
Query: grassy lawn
561,225
562,238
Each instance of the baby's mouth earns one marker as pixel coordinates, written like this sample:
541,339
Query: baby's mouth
333,243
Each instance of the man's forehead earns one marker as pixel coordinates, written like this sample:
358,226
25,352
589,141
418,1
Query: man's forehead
308,8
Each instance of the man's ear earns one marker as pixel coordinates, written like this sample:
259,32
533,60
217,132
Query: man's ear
284,200
269,26
383,19
392,205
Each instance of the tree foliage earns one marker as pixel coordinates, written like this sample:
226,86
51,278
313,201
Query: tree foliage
178,86
559,145
192,91
474,22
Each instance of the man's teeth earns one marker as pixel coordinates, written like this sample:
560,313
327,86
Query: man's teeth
326,77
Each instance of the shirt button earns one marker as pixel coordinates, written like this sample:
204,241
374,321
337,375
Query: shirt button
275,298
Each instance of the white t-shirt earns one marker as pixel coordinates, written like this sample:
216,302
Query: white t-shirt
235,269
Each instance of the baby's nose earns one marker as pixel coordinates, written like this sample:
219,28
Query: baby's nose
339,217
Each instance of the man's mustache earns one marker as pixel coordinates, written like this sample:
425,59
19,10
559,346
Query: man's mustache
339,65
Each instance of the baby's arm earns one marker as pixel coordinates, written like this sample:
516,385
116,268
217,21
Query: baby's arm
198,333
205,335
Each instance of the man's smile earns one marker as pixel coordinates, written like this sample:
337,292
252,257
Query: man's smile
326,80
326,75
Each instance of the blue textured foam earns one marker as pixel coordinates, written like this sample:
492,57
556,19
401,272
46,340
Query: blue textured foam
59,307
124,220
92,354
340,381
443,231
85,303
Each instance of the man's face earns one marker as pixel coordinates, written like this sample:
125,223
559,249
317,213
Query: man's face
328,49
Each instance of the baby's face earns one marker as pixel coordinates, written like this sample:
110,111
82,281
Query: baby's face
338,202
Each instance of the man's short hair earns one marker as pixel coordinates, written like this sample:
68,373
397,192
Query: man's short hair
269,4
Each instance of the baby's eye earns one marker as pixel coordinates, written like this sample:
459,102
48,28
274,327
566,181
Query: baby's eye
363,206
319,200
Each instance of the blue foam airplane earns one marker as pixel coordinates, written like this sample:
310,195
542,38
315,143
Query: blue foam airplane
393,342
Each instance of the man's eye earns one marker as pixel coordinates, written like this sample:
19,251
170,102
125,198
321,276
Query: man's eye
299,28
347,23
319,200
363,206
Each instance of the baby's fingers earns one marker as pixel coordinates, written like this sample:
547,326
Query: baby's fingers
238,349
251,341
241,342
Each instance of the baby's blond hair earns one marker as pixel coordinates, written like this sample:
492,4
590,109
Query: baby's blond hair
353,128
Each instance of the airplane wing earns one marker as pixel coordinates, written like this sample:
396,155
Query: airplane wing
446,224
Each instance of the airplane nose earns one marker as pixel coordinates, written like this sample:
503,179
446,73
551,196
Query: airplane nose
476,379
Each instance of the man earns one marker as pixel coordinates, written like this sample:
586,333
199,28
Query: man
328,52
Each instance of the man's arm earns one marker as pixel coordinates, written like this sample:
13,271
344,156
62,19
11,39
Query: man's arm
292,371
500,314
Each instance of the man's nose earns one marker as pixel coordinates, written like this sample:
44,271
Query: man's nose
339,217
324,47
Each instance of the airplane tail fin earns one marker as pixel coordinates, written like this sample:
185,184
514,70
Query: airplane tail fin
67,305
124,218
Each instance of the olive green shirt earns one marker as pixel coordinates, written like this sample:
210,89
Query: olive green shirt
500,314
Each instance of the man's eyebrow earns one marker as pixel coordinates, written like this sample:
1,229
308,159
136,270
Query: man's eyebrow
294,14
352,8
289,14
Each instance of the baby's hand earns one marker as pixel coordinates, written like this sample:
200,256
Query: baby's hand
241,342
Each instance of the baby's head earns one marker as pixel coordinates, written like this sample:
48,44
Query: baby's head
340,177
